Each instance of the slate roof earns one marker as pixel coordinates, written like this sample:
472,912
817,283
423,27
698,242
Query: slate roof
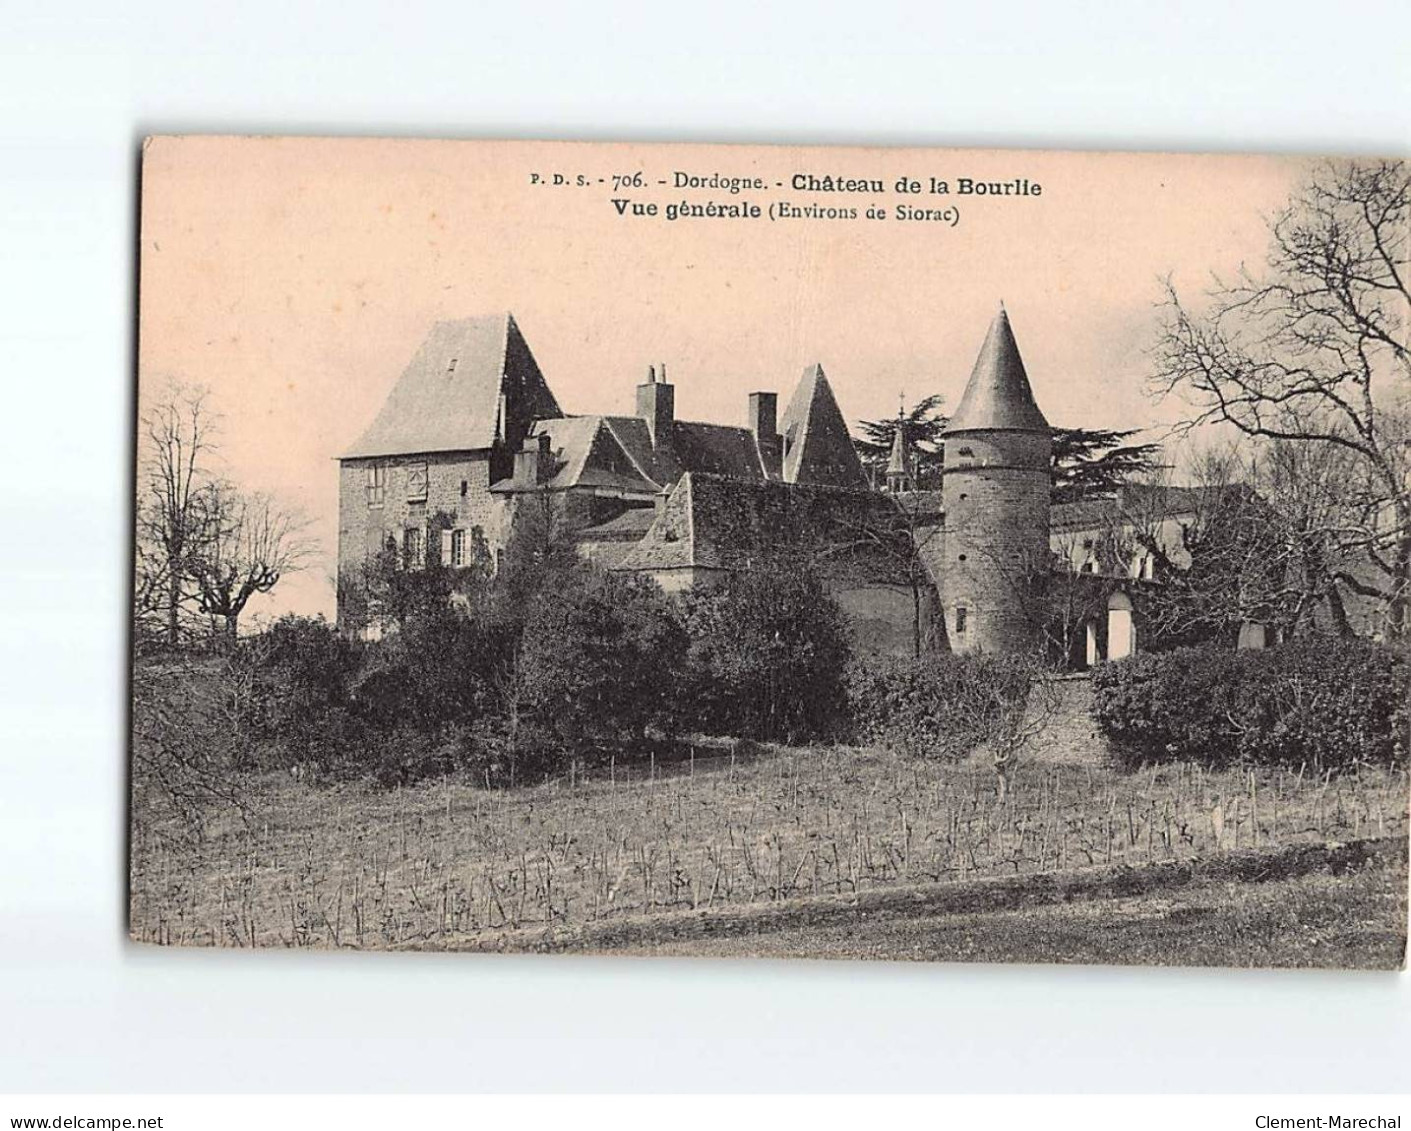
817,446
630,525
718,449
717,523
448,397
1134,499
998,395
586,453
898,464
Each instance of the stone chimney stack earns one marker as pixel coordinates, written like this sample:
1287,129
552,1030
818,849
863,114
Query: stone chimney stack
764,416
656,404
533,462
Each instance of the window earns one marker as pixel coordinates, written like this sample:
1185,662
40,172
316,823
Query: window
961,616
457,548
452,367
416,482
376,484
413,547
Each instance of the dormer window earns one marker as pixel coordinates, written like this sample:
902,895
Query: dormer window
452,367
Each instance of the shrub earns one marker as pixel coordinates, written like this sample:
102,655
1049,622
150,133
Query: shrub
1321,701
936,705
767,657
600,660
188,750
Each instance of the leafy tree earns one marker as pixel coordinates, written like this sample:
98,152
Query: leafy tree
1087,462
768,652
541,553
1095,462
388,590
923,425
600,659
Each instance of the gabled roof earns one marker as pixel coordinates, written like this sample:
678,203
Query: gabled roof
817,446
998,395
587,454
448,398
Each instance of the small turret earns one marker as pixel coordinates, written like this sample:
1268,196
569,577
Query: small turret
899,477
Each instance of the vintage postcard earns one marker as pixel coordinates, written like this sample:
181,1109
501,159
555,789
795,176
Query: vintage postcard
772,551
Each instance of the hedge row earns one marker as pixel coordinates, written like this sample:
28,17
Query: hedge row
1321,701
937,705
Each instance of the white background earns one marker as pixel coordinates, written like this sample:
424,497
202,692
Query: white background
79,84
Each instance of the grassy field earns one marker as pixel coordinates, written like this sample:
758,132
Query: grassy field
440,864
1352,920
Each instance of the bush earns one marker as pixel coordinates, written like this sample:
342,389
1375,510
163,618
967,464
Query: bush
937,705
767,657
1322,701
600,660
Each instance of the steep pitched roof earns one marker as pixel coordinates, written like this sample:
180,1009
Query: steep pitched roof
448,398
998,395
899,464
586,453
817,447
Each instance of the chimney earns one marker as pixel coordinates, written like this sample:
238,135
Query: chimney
532,463
656,404
764,411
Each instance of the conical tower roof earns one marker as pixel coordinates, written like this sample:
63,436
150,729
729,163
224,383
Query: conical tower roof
897,465
998,395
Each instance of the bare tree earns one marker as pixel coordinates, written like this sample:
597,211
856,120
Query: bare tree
886,542
1313,351
178,433
248,542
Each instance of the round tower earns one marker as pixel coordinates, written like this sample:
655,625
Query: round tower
995,490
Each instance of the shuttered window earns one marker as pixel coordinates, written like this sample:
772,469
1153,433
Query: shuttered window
376,484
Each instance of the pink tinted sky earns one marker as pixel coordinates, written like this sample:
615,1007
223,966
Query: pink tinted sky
296,278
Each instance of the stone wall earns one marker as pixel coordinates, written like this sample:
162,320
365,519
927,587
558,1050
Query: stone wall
457,493
996,498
